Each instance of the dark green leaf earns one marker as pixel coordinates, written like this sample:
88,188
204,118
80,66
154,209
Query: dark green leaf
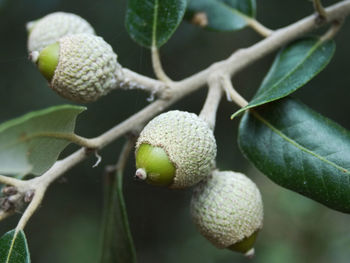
293,67
299,149
152,22
27,144
117,243
14,249
223,15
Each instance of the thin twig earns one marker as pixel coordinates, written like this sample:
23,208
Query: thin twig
32,207
231,92
259,28
210,107
84,142
72,137
134,80
157,66
134,121
320,9
6,180
333,30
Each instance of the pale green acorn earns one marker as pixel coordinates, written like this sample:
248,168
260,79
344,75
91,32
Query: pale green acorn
227,209
80,67
52,27
176,149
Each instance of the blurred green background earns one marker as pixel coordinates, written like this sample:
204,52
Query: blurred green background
66,228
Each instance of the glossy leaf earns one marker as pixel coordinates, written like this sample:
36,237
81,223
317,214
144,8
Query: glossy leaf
299,149
117,243
293,67
152,22
14,249
222,15
28,144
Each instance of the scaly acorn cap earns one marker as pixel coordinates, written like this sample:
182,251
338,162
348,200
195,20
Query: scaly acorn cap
227,209
81,67
51,28
175,149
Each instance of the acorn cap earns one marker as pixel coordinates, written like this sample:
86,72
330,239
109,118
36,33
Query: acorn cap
87,67
189,145
227,209
51,28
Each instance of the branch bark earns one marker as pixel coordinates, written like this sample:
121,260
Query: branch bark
208,112
244,57
231,93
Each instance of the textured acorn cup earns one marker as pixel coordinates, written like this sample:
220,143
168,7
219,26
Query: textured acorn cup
51,28
227,209
176,149
81,67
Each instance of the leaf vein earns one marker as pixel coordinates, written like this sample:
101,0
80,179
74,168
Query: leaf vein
297,66
296,144
233,10
155,20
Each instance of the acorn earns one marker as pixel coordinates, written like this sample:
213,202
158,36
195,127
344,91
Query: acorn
227,209
176,149
51,28
81,67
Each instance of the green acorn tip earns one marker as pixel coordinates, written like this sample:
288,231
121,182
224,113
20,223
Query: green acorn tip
153,165
47,60
246,245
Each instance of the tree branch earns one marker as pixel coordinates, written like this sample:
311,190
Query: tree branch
32,207
208,112
244,57
6,180
176,90
236,62
133,80
319,9
333,30
157,66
